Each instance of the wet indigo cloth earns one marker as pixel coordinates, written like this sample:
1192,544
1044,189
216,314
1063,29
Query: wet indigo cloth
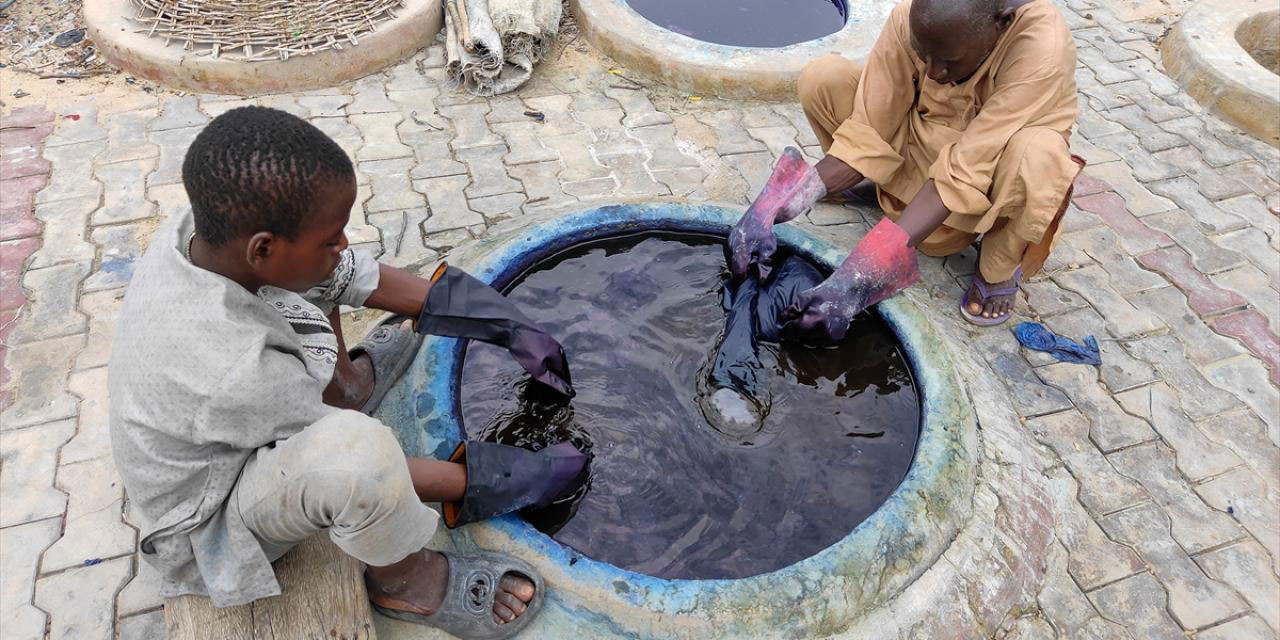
1034,335
754,310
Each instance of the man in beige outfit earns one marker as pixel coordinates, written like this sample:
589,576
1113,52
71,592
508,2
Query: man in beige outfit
960,118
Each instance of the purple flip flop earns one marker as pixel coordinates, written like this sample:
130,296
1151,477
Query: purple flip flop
985,293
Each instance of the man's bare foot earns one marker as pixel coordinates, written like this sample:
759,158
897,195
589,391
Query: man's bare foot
417,584
995,305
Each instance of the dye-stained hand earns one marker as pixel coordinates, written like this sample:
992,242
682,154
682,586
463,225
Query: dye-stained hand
881,265
792,188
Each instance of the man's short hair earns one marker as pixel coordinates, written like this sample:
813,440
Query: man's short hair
258,169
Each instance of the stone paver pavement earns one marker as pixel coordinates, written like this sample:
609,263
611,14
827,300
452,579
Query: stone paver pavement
1164,461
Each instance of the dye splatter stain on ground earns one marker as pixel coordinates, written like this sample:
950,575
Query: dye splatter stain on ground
746,23
640,317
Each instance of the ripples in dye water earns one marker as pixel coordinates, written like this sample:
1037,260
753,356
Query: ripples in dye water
668,496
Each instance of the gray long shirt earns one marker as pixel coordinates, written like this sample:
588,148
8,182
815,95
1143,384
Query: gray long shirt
202,373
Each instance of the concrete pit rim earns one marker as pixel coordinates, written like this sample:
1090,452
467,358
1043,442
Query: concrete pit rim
877,560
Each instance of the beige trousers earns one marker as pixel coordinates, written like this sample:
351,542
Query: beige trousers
826,90
346,474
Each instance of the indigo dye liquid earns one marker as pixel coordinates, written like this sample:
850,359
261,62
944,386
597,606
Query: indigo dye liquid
668,496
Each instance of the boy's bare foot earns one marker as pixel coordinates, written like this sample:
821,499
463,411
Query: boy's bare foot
417,584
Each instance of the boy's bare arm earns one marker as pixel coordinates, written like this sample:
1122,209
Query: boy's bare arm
399,292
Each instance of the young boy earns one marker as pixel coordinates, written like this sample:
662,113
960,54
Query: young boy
234,418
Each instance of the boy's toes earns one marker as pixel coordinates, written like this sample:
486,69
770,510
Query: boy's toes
517,586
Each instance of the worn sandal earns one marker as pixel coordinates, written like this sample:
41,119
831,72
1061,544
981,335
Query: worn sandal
467,609
986,292
391,349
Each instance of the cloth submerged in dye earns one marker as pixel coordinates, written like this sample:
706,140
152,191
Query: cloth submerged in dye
1034,335
755,312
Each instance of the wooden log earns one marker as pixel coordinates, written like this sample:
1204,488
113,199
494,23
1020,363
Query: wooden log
323,598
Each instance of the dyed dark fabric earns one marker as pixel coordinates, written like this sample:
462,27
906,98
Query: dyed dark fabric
755,312
1034,335
460,306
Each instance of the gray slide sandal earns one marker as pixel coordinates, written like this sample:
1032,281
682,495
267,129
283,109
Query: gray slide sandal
391,349
467,609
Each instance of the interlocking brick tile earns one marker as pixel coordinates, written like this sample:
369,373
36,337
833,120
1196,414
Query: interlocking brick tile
1256,287
1122,319
1244,567
1250,327
497,208
13,255
103,309
370,96
1205,297
173,145
448,205
1203,345
1138,602
1211,182
1106,71
1207,215
1111,428
1197,456
1214,152
1195,525
640,111
1087,185
76,123
72,172
1031,396
1094,559
1252,175
1246,435
20,549
541,186
1102,488
127,137
180,113
1194,600
147,626
1156,108
488,175
1239,493
1146,167
1248,379
1257,248
378,132
1137,198
1119,370
30,459
1200,399
1062,603
470,126
1133,235
574,152
732,136
1207,255
79,600
1093,127
1250,626
51,308
1047,298
1254,211
94,528
123,192
39,377
1103,246
20,150
17,200
325,105
1150,137
390,184
402,236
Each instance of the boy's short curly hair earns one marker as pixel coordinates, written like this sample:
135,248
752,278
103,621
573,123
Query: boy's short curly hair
258,169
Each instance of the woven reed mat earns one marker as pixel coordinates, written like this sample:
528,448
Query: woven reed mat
255,30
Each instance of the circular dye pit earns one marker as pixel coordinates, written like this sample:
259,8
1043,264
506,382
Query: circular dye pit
671,497
750,49
746,23
640,317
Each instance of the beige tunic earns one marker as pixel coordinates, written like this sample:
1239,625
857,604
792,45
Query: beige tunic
899,137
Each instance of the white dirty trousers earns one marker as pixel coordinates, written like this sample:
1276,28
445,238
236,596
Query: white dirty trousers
345,473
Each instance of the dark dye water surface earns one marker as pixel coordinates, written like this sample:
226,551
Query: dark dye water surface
746,23
668,496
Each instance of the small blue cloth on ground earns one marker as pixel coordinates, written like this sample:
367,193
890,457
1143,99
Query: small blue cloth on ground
1034,335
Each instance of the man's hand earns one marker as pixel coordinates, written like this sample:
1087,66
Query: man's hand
881,265
792,188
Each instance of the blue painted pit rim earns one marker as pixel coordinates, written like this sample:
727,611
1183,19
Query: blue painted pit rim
897,542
